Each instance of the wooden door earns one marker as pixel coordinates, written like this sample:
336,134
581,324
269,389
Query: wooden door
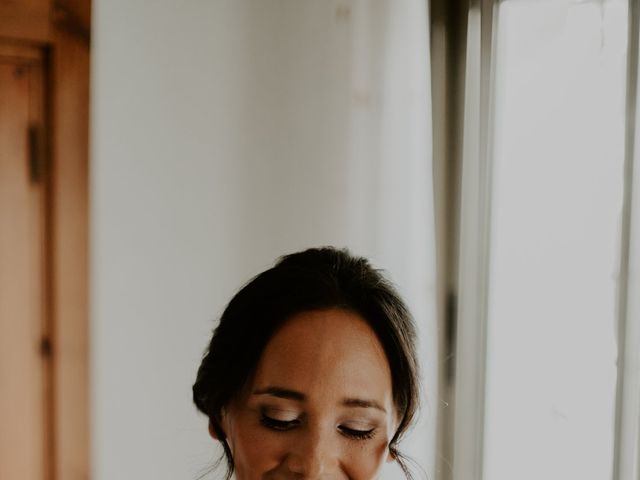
24,359
44,373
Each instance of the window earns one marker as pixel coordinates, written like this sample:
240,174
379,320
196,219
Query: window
556,209
548,376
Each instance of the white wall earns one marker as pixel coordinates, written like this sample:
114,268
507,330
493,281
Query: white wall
224,134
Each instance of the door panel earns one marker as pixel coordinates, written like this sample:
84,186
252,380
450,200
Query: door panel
24,370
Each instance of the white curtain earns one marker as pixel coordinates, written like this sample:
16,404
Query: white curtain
241,131
547,321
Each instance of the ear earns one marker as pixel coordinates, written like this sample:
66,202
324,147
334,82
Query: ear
212,431
391,456
218,428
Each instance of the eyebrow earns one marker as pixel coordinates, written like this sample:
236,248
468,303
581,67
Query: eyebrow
301,397
281,393
360,403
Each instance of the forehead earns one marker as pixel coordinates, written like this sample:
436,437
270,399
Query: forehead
334,351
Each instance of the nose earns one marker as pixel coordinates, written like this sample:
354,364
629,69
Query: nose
313,457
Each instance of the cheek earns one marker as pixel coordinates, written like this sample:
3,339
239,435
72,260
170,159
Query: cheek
255,451
364,462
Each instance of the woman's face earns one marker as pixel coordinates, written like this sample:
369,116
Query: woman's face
320,404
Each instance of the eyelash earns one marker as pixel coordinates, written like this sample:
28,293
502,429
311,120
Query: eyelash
286,425
280,425
358,434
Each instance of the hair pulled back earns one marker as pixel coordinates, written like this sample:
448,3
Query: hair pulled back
314,279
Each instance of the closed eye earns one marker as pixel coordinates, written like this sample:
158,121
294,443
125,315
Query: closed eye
357,434
280,425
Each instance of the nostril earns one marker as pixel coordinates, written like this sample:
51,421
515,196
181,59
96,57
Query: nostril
295,465
310,465
308,468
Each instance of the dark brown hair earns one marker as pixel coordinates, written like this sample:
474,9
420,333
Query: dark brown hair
314,279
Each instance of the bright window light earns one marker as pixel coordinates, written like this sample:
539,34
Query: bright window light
558,153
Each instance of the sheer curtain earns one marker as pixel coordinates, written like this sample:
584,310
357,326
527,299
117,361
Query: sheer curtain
226,134
547,355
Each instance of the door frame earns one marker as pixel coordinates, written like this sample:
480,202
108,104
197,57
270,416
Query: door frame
62,30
